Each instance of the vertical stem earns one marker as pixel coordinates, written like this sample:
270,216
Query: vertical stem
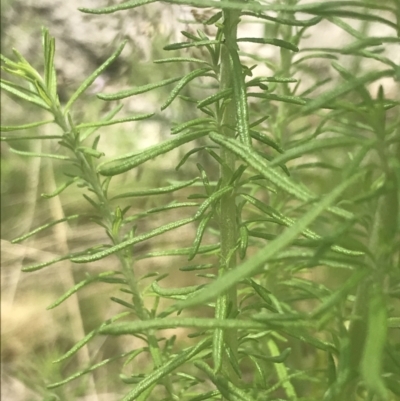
227,303
284,71
381,244
91,176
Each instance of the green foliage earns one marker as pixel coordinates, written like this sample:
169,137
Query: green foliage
263,228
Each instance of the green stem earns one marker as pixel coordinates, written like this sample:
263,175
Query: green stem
286,57
227,303
92,178
381,243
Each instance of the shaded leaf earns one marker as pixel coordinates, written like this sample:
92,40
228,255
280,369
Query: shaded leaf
314,145
344,88
252,265
168,367
88,81
182,83
274,42
157,191
10,128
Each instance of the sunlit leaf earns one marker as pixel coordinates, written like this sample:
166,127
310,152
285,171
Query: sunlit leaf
116,248
44,227
42,155
126,163
10,128
24,93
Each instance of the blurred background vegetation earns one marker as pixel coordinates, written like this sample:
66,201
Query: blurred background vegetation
31,336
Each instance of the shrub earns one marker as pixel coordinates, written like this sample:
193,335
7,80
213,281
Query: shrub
294,204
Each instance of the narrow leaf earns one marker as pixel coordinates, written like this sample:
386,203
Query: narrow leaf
271,174
180,60
168,292
282,372
346,87
221,307
49,70
244,241
182,83
285,21
252,265
340,294
41,265
199,234
355,15
44,155
156,191
78,286
212,199
141,326
88,81
280,98
312,146
137,90
180,251
228,390
212,20
242,107
275,42
224,94
192,123
112,122
43,227
118,166
267,140
10,128
106,118
198,43
60,189
23,93
90,152
130,242
168,367
87,370
80,344
29,138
